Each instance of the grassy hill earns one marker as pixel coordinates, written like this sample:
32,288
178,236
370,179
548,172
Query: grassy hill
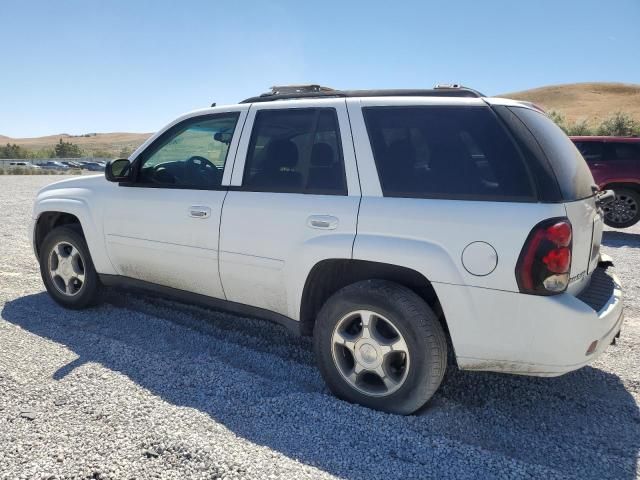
589,101
577,101
91,143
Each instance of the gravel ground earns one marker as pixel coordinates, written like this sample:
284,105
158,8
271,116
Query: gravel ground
147,388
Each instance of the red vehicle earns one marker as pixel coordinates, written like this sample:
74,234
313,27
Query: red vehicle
615,165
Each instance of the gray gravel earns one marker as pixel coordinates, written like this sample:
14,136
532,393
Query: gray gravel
147,388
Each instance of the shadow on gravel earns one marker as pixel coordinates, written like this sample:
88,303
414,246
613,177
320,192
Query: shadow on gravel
582,425
620,239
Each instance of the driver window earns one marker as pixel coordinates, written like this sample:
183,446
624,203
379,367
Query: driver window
191,154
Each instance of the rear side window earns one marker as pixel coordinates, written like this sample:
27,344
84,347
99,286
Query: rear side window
295,151
445,152
623,151
573,174
591,151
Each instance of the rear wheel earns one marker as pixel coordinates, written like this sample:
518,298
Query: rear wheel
379,344
67,270
624,211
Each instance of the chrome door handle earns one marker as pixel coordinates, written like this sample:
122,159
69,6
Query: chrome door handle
324,222
199,211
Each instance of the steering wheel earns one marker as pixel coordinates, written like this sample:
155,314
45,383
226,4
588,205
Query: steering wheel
200,162
161,175
201,166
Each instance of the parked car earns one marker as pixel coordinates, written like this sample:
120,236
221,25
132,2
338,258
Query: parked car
23,165
395,227
615,165
71,164
92,166
54,165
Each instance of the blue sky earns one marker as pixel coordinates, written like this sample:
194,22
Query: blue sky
125,65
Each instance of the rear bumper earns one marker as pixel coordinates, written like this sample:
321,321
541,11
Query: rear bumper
539,336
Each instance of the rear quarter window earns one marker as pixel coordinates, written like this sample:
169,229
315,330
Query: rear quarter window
446,152
591,151
571,171
624,151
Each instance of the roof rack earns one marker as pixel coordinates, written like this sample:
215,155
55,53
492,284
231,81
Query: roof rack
293,92
285,89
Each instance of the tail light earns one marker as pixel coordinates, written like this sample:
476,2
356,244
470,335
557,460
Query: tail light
545,261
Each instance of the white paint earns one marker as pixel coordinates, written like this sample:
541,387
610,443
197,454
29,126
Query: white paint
479,258
267,245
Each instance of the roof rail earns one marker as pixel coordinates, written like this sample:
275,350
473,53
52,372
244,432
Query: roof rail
284,89
293,92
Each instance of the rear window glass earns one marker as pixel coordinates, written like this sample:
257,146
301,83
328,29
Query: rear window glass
624,151
573,174
445,152
591,151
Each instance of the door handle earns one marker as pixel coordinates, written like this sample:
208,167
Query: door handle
199,211
323,222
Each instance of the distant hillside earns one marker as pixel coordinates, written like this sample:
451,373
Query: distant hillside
589,101
577,101
113,143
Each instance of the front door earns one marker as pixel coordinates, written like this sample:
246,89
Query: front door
293,201
163,226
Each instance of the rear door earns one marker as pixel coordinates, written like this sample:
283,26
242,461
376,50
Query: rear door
293,201
577,189
623,160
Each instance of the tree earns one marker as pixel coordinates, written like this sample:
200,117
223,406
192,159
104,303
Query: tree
13,151
67,150
580,128
619,124
559,119
42,153
101,154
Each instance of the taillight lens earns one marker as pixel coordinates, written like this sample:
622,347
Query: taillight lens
545,261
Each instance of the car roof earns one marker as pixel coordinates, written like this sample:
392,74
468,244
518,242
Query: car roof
604,138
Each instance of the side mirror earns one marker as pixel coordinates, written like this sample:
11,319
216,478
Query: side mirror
118,170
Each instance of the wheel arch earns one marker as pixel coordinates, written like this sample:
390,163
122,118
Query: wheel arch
51,212
611,185
49,220
328,276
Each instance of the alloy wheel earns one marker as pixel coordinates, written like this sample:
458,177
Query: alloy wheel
622,210
370,353
66,268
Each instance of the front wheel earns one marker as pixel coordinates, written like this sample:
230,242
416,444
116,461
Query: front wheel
379,344
67,270
624,211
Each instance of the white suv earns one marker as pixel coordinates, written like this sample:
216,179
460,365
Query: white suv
394,226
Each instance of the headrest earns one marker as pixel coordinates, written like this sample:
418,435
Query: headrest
321,155
401,152
282,153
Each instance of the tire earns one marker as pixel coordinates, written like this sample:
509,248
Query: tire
629,201
405,388
79,294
